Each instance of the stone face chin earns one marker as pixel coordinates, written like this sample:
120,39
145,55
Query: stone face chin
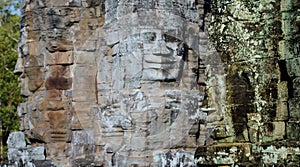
119,83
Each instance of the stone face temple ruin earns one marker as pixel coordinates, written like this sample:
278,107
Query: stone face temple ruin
163,83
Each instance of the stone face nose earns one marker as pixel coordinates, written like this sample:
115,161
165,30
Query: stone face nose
161,49
19,68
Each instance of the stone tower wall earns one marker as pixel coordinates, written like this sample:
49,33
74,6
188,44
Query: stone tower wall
113,83
158,83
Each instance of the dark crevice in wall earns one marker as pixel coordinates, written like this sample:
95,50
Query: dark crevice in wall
284,76
240,98
207,9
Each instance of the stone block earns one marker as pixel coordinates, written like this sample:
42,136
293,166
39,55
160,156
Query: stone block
16,140
55,149
58,119
14,155
294,108
55,21
82,110
75,123
34,61
277,132
85,57
86,45
221,131
286,5
59,83
90,24
222,154
293,67
112,38
35,79
21,124
161,158
292,130
53,105
282,88
282,111
84,82
284,50
59,45
40,133
59,71
36,153
254,123
84,95
34,50
21,109
60,58
296,87
57,3
54,95
84,70
43,163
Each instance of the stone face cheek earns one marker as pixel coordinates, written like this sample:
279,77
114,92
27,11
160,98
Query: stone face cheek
35,79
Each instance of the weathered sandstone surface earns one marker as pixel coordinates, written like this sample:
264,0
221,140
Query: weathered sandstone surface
158,83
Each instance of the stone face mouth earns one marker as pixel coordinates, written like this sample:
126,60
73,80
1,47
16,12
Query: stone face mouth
160,59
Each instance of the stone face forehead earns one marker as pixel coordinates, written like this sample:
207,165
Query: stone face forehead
125,18
152,4
153,10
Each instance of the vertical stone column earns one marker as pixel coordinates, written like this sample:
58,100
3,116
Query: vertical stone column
289,51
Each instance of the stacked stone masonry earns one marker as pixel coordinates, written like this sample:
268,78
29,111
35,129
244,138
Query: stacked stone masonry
259,43
158,83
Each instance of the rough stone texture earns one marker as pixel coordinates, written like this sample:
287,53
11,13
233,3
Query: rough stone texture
19,153
117,83
259,43
153,83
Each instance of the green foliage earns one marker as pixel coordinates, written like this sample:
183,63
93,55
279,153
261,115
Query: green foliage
6,8
9,92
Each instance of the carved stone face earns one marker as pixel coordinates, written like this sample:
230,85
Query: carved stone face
30,76
161,59
152,56
147,81
126,81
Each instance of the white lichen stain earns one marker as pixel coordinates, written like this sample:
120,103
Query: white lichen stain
272,155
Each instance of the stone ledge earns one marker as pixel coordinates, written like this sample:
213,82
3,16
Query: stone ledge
284,153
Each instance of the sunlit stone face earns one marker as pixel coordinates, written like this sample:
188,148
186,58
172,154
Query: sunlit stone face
156,41
158,57
132,95
161,59
148,95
